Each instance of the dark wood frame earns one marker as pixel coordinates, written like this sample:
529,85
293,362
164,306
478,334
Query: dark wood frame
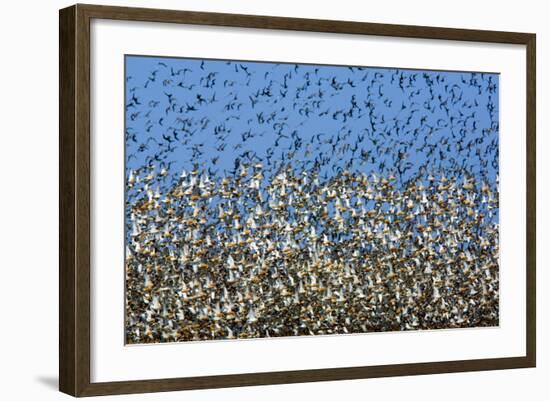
74,199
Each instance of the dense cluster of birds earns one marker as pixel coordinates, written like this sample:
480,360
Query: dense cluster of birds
267,200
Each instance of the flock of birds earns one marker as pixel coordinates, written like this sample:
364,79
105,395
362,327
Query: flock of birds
267,200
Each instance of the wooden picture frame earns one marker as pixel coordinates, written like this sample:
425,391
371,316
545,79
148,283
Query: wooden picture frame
74,200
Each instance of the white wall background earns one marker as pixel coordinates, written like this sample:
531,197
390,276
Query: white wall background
29,185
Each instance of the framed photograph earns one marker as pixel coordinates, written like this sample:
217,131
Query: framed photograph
250,200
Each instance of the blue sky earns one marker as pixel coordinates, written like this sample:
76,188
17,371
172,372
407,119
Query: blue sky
216,114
